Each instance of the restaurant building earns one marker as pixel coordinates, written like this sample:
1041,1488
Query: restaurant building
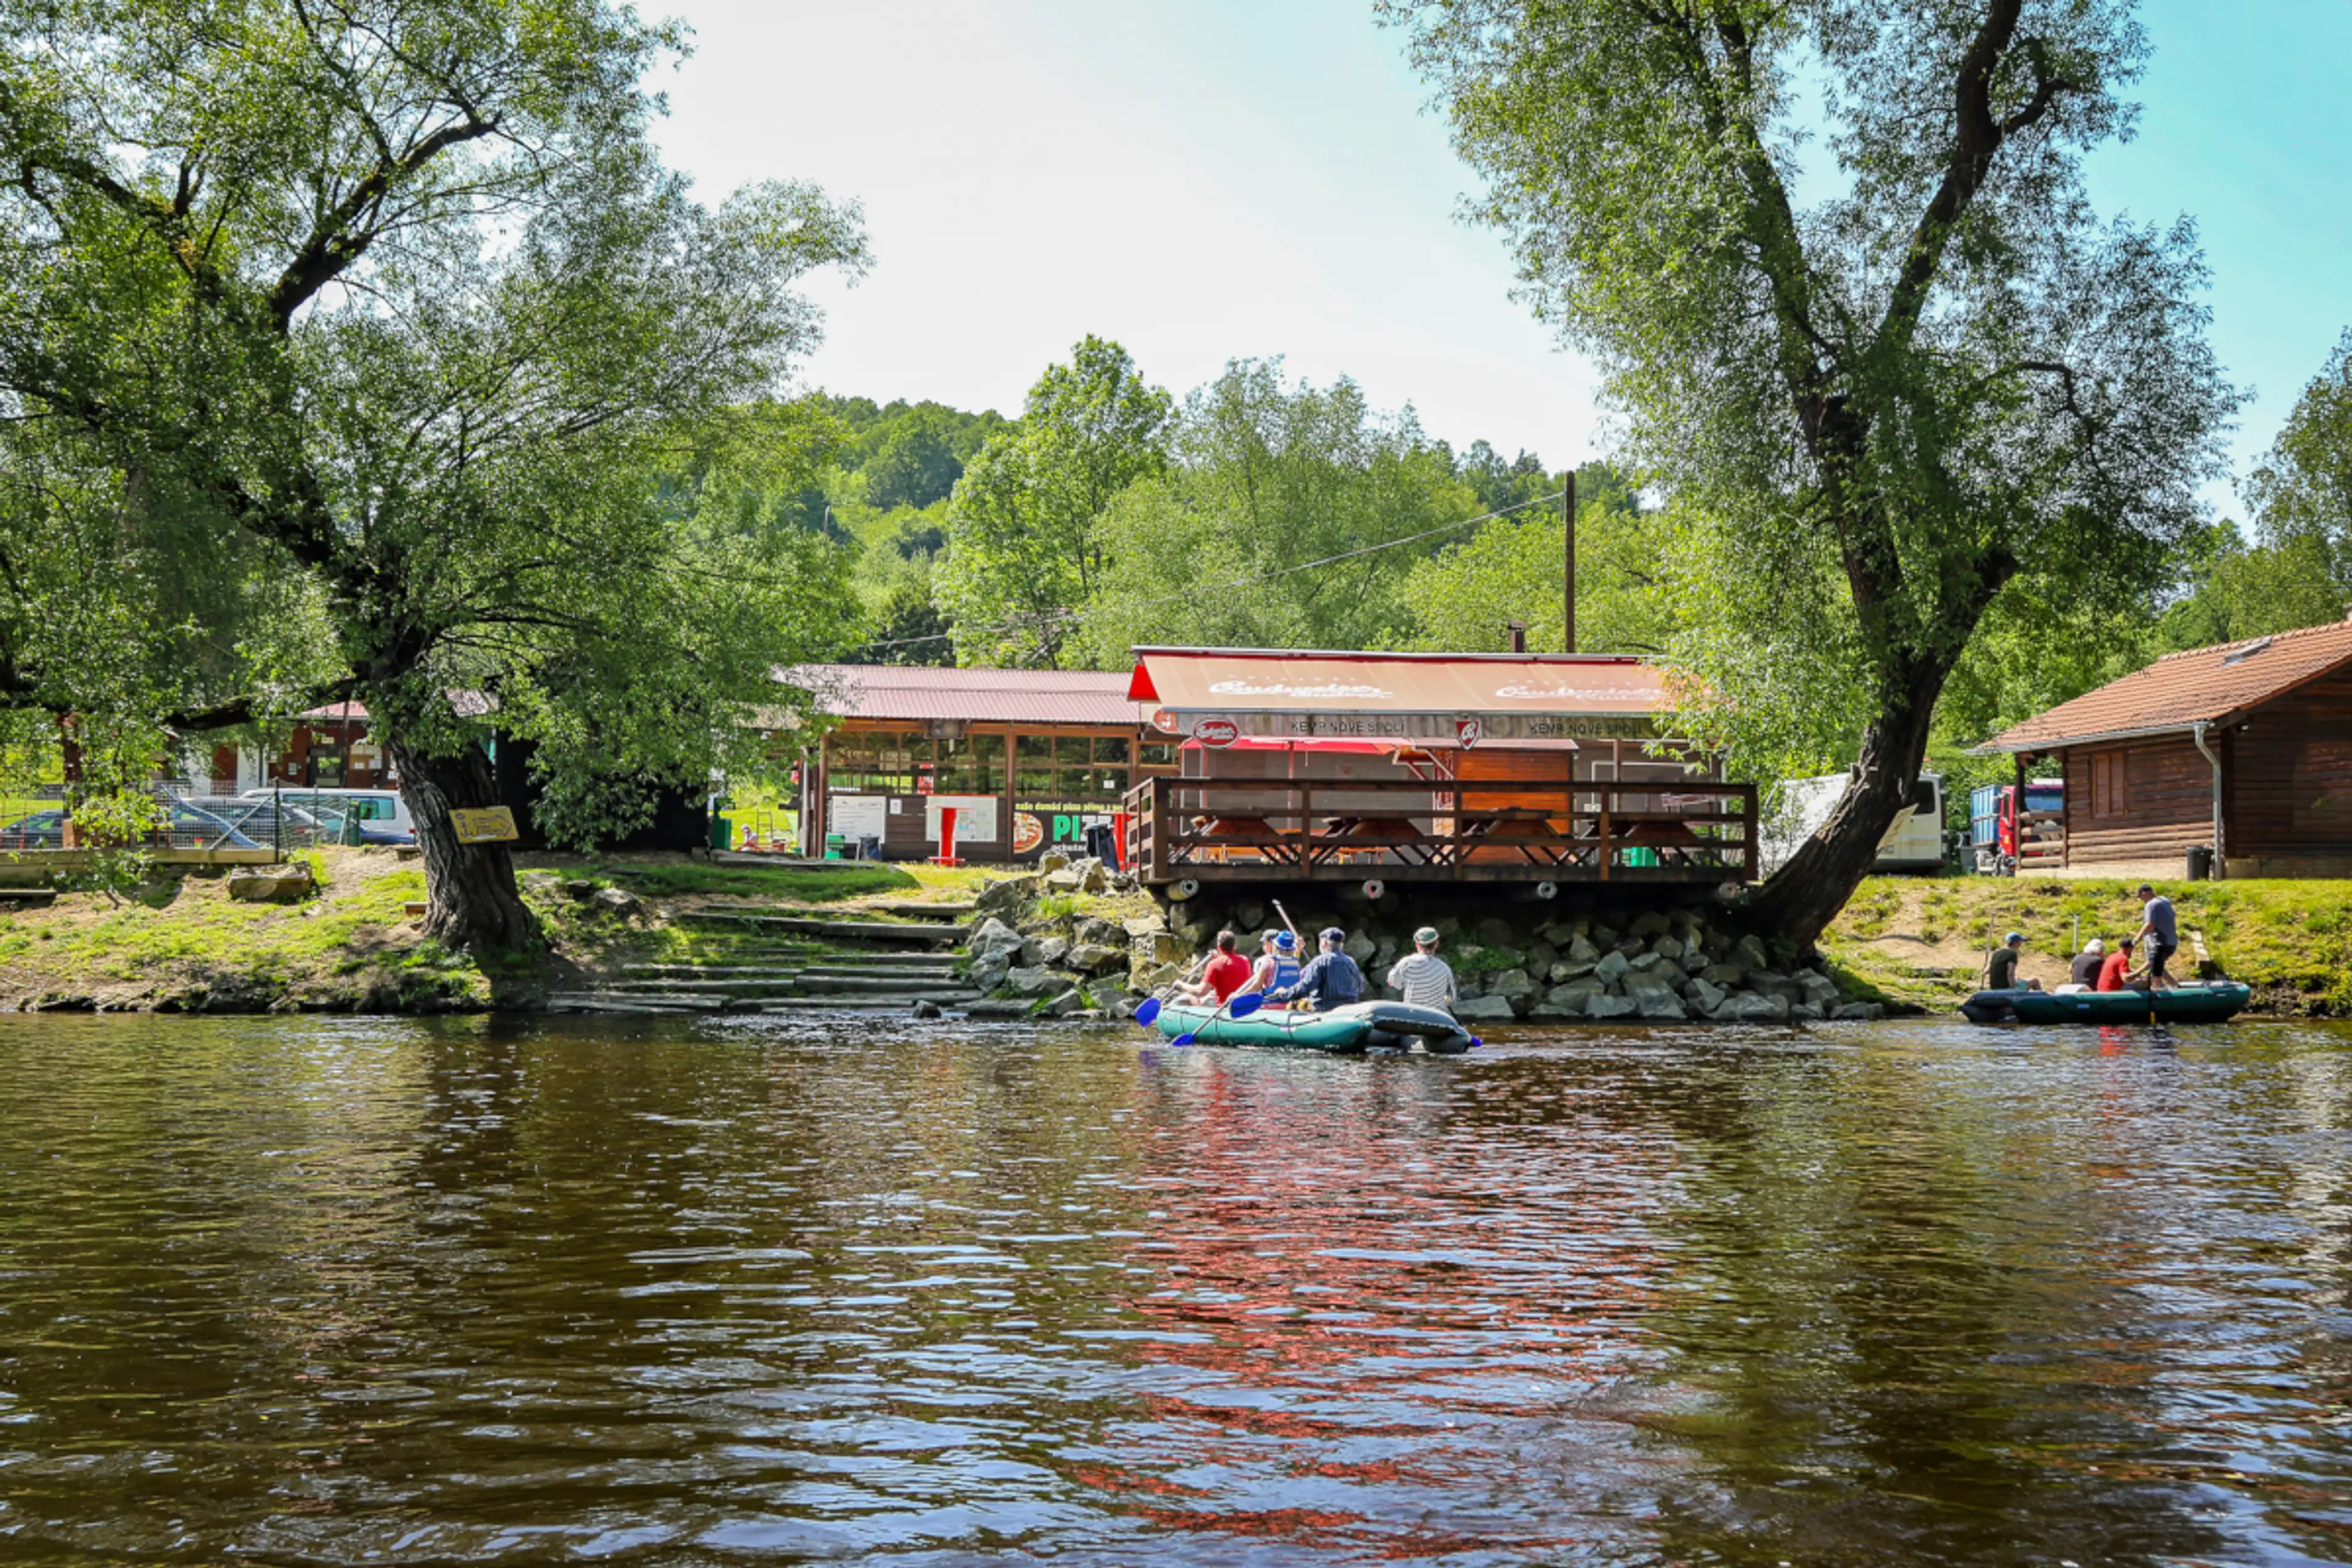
1028,759
1412,767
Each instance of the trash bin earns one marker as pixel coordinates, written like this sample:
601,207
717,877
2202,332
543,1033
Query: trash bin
835,846
1102,843
869,847
2200,862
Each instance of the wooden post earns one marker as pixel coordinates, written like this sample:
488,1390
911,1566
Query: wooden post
1568,536
2017,811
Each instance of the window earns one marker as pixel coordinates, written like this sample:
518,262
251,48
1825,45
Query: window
2109,797
1072,767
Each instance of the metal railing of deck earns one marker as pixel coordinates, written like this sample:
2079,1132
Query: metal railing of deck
1464,830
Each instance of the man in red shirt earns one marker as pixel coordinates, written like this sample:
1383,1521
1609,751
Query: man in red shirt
2116,970
1227,973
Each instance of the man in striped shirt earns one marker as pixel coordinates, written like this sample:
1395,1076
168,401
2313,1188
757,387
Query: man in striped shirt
1423,979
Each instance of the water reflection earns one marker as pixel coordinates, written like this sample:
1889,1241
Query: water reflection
301,1290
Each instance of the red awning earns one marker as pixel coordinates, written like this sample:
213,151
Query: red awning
1219,695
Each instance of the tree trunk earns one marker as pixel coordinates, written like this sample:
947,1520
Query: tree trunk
1805,895
469,889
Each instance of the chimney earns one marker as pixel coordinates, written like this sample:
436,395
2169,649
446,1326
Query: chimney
1519,630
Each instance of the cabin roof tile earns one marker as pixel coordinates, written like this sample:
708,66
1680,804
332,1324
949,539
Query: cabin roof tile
2182,689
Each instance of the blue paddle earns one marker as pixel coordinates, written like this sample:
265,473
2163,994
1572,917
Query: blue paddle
1149,1013
1240,1006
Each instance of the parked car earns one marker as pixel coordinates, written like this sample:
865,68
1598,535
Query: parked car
380,816
1914,843
181,826
272,824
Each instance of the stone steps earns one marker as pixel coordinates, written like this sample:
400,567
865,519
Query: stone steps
945,999
915,911
839,931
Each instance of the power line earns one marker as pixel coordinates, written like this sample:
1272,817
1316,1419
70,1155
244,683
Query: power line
1051,616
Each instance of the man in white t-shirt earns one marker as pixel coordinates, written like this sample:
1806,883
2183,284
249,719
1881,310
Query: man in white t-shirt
1423,979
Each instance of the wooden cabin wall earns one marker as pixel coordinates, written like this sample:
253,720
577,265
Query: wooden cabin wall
2291,785
2137,800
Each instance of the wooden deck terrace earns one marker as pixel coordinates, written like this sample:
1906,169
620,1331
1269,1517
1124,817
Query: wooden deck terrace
1458,830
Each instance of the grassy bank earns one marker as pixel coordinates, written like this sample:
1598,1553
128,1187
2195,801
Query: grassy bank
180,942
1922,940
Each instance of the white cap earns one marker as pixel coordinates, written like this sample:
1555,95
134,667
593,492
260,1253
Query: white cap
2095,945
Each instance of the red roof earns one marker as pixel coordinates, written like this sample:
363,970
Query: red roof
2182,690
918,693
1228,692
354,712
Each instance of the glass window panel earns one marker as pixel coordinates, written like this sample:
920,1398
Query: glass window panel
1111,748
1035,747
1035,782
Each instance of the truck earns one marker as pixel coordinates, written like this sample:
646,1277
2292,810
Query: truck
1914,844
2001,835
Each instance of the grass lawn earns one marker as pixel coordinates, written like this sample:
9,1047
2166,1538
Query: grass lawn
1923,939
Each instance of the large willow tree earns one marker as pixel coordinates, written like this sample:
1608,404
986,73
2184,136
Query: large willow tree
1837,263
394,302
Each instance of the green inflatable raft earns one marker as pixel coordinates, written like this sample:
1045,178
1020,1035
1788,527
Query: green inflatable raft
2211,1002
1360,1027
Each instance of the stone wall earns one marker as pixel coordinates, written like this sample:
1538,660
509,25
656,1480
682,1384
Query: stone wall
1672,956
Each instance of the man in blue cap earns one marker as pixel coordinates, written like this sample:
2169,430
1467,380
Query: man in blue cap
2000,969
1332,980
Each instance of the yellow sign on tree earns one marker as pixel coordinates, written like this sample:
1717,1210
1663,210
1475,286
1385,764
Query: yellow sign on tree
484,824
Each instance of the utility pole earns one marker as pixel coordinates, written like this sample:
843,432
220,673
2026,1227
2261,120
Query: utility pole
1568,536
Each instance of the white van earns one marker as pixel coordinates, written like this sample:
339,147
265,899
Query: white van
382,814
1915,843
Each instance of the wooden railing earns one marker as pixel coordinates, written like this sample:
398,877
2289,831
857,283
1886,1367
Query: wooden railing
1456,830
2041,838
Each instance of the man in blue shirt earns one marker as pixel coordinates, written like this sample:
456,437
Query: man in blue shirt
1332,980
2161,932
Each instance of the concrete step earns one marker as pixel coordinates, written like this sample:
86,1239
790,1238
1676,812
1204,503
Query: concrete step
611,1002
714,971
849,930
862,985
950,1000
942,970
907,909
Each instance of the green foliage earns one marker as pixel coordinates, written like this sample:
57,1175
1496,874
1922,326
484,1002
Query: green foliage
1266,478
2240,591
1465,594
399,307
2302,489
1869,414
1025,541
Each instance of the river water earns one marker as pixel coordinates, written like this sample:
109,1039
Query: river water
306,1291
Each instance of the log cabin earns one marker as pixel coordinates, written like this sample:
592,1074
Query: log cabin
2236,758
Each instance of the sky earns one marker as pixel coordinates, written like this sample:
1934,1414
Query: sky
1221,179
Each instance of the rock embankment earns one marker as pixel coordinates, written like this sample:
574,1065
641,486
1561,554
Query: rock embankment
1079,940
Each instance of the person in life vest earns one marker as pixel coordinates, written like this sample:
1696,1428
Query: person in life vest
1277,963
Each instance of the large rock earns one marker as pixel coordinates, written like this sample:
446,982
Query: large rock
285,884
1607,1006
1515,986
1145,978
1750,953
1095,929
1771,985
1042,951
1728,975
1805,1013
1612,968
1565,973
987,974
1491,1009
1155,947
1659,1005
1142,928
1064,1004
1034,982
1582,951
1704,996
1094,877
1361,948
1747,1007
1648,963
1065,881
617,902
1055,860
1573,996
1858,1013
995,938
1008,896
1649,925
1094,957
1819,989
1641,983
1668,947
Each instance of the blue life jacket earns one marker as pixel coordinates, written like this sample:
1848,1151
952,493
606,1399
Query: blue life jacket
1286,972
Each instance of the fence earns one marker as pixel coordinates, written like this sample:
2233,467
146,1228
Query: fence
190,814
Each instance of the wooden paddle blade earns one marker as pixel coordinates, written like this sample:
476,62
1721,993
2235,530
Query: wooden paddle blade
1243,1005
1148,1013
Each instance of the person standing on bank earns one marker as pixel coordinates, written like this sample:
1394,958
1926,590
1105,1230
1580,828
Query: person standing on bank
2000,969
1421,978
2160,931
1332,980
